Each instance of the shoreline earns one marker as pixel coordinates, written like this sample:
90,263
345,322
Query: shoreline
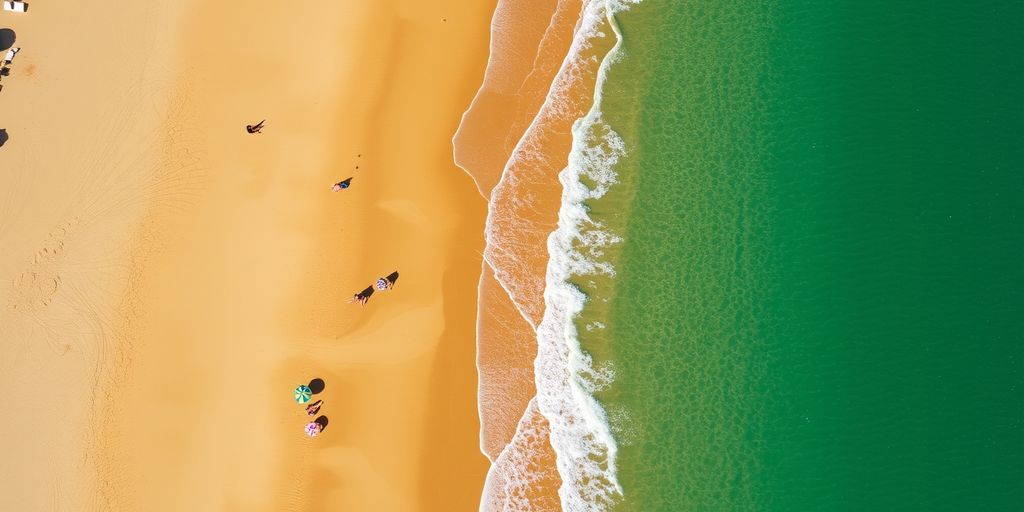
525,364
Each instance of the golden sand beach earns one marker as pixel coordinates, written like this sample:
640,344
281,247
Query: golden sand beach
168,279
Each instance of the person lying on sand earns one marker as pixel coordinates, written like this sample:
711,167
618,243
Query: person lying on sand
362,296
343,184
255,128
314,407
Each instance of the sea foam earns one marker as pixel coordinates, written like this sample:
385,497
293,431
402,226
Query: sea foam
565,377
577,427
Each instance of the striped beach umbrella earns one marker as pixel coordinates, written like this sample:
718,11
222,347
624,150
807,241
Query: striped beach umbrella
312,429
303,394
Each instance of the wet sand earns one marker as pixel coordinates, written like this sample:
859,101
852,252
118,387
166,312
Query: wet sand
204,272
514,141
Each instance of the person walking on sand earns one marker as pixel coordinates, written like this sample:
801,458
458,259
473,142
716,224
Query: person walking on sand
255,128
341,185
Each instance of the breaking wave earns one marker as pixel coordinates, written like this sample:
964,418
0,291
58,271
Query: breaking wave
565,377
564,416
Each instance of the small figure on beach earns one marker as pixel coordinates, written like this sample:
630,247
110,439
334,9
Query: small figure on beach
316,426
9,56
302,393
341,185
387,282
363,296
256,128
314,407
313,429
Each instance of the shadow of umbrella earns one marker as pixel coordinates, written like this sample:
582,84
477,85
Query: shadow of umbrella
316,385
3,137
7,38
322,421
364,295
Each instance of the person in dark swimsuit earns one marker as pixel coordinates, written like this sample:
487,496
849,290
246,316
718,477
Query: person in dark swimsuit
255,128
341,185
363,296
314,407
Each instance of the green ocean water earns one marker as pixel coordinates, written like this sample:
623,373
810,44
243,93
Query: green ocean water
819,300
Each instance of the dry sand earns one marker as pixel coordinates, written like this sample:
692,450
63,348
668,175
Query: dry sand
167,279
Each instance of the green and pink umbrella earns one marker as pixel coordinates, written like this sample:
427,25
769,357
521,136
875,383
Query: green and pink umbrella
303,394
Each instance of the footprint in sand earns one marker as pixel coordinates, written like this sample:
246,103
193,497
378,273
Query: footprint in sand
36,286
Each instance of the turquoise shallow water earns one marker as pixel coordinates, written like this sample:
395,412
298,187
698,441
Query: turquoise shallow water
818,304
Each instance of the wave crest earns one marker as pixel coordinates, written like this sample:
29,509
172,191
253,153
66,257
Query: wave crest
567,138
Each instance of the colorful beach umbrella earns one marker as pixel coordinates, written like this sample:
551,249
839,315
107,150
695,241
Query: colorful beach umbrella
312,429
303,394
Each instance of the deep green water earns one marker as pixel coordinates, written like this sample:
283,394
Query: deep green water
819,303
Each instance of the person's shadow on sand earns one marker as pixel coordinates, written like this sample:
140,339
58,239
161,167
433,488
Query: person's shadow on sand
3,137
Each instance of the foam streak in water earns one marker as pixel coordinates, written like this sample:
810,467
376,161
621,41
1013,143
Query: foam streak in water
563,426
580,434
